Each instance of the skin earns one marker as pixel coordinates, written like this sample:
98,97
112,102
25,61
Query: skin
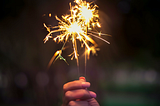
76,94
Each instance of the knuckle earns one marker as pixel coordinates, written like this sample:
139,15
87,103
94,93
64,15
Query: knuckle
82,94
68,94
64,87
72,103
85,94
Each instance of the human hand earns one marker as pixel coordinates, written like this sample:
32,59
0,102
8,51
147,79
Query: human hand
76,94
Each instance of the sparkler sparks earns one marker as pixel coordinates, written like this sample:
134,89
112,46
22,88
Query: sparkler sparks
78,25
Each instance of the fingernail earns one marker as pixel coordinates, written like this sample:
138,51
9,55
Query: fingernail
92,94
85,84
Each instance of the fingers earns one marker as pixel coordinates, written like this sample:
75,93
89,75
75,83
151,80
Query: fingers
78,103
90,102
76,94
81,94
79,84
93,102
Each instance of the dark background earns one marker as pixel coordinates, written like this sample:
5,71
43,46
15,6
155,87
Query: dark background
125,73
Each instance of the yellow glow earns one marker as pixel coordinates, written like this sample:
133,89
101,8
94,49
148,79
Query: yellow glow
86,13
74,28
78,25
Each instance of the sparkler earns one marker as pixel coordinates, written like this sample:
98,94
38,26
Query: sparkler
78,25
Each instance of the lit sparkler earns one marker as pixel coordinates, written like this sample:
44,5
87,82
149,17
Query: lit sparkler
78,25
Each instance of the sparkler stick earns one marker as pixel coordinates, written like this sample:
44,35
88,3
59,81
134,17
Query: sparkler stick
78,25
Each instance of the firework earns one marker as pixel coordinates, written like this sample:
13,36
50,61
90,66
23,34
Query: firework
79,25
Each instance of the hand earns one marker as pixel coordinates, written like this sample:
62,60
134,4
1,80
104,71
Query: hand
76,94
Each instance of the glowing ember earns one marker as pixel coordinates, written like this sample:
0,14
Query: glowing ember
78,25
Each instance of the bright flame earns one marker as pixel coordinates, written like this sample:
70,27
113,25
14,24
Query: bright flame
75,28
78,25
87,11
